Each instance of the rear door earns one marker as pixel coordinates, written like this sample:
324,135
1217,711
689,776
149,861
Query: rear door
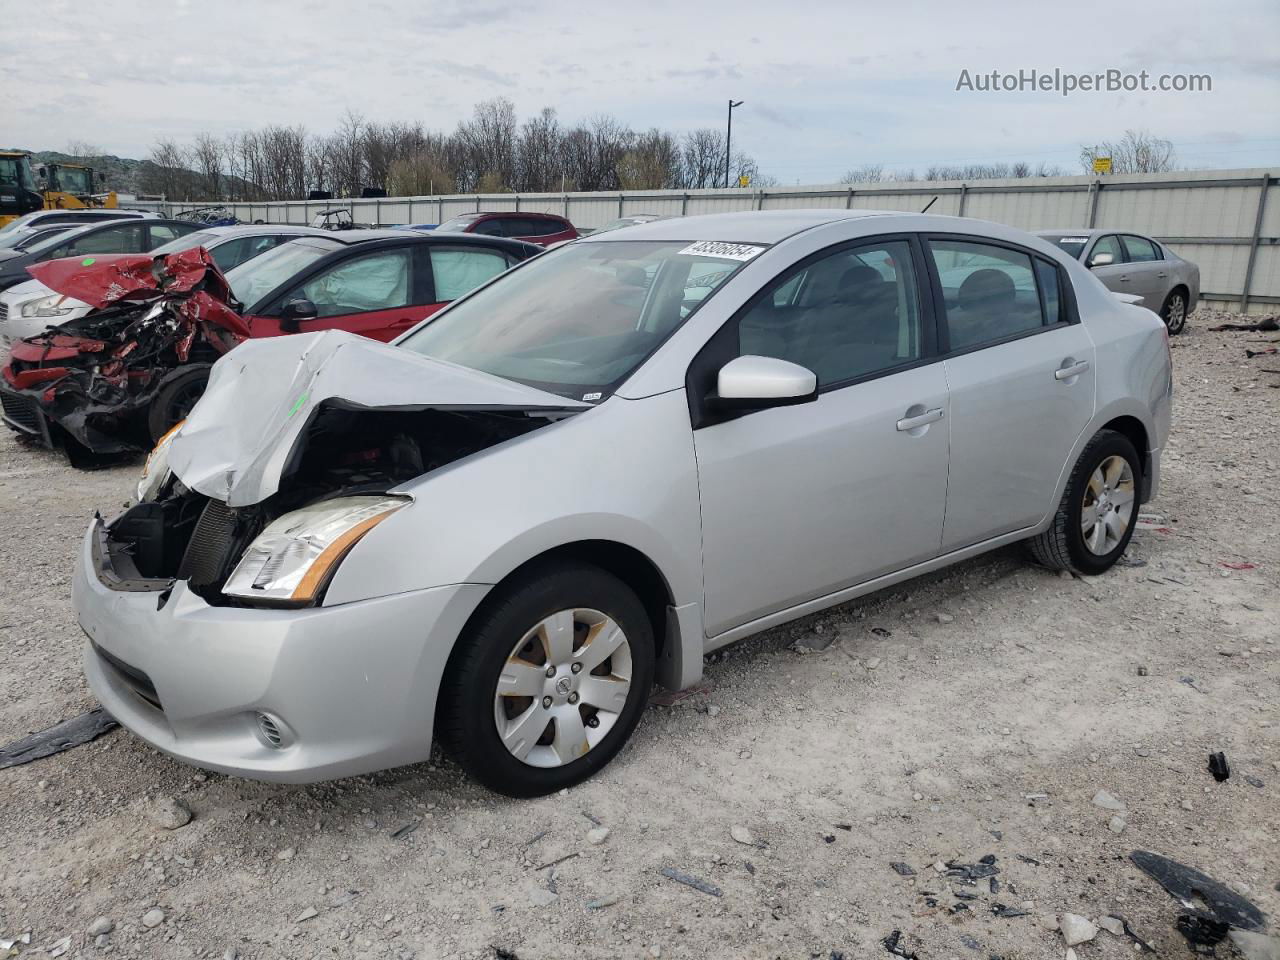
799,502
1148,273
125,237
1020,373
377,293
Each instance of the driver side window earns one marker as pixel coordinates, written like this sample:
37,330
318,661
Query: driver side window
378,281
845,316
1108,244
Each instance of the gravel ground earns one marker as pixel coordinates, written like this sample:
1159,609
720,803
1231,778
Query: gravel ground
974,712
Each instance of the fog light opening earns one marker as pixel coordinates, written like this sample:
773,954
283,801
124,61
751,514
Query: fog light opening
272,731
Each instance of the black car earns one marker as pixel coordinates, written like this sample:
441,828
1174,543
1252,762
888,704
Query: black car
133,235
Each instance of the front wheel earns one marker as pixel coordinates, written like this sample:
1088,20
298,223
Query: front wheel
1095,519
1174,311
175,399
549,682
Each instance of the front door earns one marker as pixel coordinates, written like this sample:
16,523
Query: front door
800,502
1021,379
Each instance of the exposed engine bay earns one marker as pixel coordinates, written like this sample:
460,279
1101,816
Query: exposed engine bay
158,325
185,535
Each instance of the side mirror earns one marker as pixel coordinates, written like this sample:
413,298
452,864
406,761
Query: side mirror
755,383
294,313
1102,259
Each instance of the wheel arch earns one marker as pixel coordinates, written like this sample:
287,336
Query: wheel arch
1126,418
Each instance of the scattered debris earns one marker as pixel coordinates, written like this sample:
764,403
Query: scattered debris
1076,929
1142,671
1256,946
535,838
598,835
1253,781
58,947
1191,886
310,913
813,643
1234,565
700,885
606,901
405,829
555,863
742,835
882,632
1191,682
1000,910
1113,925
893,943
1107,801
1218,766
1201,929
63,736
1265,325
902,869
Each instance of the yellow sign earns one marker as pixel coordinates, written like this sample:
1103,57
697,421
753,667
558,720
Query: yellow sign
1101,164
744,181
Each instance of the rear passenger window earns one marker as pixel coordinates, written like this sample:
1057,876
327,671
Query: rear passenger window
990,292
460,271
1049,288
536,228
1140,249
848,315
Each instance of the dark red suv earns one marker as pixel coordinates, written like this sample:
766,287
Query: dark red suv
543,229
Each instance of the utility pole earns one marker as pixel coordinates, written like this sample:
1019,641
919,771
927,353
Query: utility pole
728,139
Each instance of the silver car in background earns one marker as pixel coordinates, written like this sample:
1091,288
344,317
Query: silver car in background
1133,264
500,530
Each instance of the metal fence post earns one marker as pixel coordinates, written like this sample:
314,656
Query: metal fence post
566,206
684,204
964,194
477,203
620,199
848,201
517,203
377,211
1253,242
759,199
1095,188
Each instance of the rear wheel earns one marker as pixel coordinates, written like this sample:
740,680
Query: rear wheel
175,399
1174,311
549,682
1095,519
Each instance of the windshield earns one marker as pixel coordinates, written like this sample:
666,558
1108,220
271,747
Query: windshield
25,239
1071,245
578,321
201,238
16,172
53,238
254,279
458,224
75,180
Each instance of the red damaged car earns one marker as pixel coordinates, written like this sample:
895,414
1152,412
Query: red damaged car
115,380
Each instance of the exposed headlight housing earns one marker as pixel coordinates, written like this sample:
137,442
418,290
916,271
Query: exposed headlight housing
156,470
50,306
294,557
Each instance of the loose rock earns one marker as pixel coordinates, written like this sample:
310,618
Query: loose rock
741,834
1116,824
1112,925
153,918
1107,801
1076,929
170,813
100,926
598,835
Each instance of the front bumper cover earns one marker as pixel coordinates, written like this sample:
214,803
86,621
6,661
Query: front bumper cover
352,686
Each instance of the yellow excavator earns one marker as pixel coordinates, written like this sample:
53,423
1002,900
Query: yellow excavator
18,193
61,186
70,186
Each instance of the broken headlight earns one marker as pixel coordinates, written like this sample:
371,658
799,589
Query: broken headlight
50,306
156,470
293,558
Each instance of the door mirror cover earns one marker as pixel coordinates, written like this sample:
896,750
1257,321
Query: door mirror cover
296,312
755,383
1102,260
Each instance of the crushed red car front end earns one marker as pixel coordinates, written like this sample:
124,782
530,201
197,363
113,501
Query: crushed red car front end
92,381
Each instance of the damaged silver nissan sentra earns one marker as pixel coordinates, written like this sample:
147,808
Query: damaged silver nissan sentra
582,477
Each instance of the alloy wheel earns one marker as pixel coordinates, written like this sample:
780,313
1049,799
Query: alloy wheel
562,687
1106,509
1176,313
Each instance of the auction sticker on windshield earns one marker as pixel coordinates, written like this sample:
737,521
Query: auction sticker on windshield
723,251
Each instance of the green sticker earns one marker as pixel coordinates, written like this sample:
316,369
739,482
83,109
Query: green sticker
88,262
297,405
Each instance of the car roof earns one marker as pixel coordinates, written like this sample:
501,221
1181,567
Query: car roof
514,213
753,226
264,229
1085,232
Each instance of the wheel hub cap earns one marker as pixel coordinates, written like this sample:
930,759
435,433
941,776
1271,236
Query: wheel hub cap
1107,507
562,688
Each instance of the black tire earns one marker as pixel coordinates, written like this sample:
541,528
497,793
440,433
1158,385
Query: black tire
1174,311
1062,546
175,399
465,711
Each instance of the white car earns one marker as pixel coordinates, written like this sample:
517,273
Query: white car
30,308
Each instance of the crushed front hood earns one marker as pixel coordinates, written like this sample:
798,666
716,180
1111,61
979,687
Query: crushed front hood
237,442
109,278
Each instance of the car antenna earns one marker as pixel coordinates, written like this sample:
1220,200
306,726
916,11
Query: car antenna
929,204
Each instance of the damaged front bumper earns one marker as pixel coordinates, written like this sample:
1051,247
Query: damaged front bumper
294,696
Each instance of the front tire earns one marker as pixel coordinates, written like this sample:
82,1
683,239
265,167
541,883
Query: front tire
175,399
1174,311
1095,520
548,682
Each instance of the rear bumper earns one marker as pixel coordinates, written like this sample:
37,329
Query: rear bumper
351,688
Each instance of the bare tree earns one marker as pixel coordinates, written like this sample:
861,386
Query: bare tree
167,172
867,173
486,146
206,153
702,159
1138,151
539,154
83,149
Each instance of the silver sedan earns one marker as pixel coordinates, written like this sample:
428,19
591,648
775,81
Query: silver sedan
592,471
1146,269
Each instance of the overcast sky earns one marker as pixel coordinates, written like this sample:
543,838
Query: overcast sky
827,86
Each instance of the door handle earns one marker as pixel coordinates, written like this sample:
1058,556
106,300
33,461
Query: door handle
404,322
907,424
1162,275
1071,370
1124,278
